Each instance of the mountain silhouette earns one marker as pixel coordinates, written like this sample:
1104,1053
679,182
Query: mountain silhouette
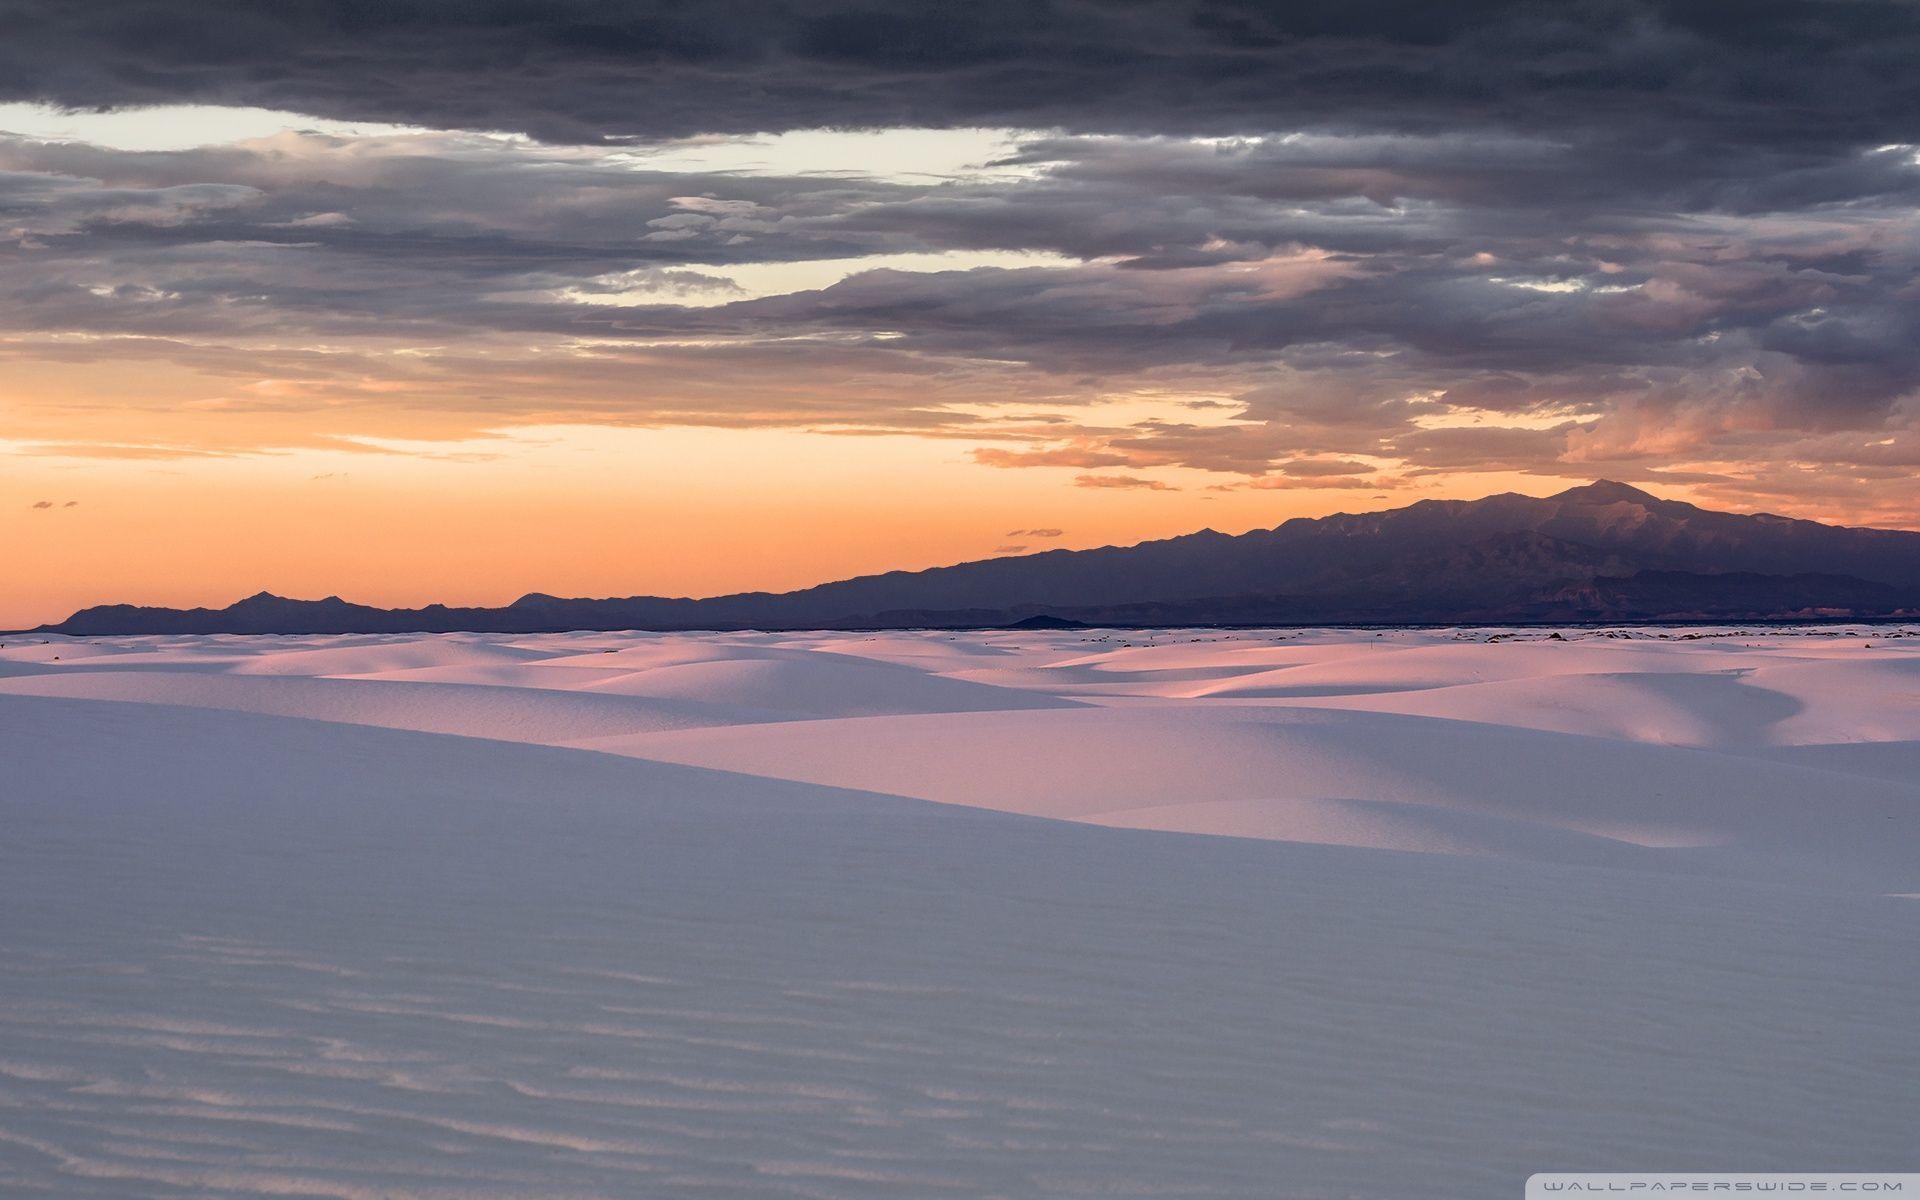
1602,552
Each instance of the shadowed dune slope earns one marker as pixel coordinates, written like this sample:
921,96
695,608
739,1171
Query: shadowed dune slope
252,955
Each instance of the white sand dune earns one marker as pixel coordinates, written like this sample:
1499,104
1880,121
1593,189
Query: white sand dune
1895,761
674,917
562,675
363,656
509,714
1349,778
1723,710
824,685
1384,667
1717,698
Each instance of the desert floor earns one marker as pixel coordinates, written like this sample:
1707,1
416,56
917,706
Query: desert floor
1175,914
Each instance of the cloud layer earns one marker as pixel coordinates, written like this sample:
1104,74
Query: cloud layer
1340,246
1793,72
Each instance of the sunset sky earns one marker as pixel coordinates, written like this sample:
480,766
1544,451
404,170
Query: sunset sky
425,301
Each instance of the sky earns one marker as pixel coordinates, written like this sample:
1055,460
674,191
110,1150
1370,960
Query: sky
420,301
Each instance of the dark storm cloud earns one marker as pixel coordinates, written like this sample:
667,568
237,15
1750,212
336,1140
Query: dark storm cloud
1805,71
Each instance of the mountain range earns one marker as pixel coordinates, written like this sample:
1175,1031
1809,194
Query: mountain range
1604,552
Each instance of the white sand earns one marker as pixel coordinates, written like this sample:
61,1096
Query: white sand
673,916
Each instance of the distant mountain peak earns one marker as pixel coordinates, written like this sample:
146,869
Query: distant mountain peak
270,599
1607,491
1602,551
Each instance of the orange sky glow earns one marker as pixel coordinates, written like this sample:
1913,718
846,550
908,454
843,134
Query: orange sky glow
577,511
